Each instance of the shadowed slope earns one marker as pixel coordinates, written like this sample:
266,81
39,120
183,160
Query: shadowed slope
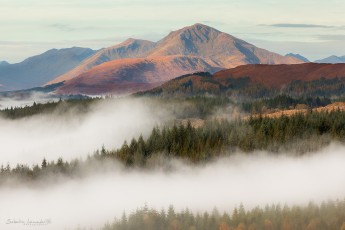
42,68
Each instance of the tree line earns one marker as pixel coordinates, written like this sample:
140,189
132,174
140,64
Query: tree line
60,106
327,215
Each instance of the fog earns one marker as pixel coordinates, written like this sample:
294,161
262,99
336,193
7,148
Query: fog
75,134
91,201
26,100
256,179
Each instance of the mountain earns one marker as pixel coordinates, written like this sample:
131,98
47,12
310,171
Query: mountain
332,59
194,48
131,75
131,48
4,63
298,56
225,50
37,70
260,81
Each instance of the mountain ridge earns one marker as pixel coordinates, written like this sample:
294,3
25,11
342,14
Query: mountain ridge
332,59
217,49
222,48
298,56
4,63
37,70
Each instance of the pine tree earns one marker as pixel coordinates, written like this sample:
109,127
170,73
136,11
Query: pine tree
44,163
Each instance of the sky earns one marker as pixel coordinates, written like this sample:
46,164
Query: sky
313,28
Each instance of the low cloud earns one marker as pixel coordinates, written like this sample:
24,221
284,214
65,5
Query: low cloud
331,37
74,134
63,27
298,25
256,179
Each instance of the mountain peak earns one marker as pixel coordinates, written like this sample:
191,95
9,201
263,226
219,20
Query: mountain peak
195,40
131,41
298,56
200,27
197,33
215,46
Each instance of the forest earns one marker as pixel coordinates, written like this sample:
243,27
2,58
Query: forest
295,135
203,83
61,106
218,135
327,215
189,107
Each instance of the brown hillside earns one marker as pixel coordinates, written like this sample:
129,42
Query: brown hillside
280,75
329,108
131,48
131,75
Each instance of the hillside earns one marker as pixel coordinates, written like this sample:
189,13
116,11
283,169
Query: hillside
131,48
337,106
260,81
131,75
37,70
280,75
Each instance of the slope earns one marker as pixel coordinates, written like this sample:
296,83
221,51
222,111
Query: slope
131,75
131,48
42,68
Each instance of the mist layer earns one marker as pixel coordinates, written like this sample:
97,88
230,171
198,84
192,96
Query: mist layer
256,179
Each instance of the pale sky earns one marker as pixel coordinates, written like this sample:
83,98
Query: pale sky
313,28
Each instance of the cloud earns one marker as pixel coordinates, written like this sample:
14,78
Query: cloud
63,27
331,37
314,49
69,28
297,25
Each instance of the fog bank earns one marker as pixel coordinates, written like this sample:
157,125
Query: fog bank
74,134
256,179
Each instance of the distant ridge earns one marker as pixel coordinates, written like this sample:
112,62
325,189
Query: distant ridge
4,63
298,56
332,59
37,70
